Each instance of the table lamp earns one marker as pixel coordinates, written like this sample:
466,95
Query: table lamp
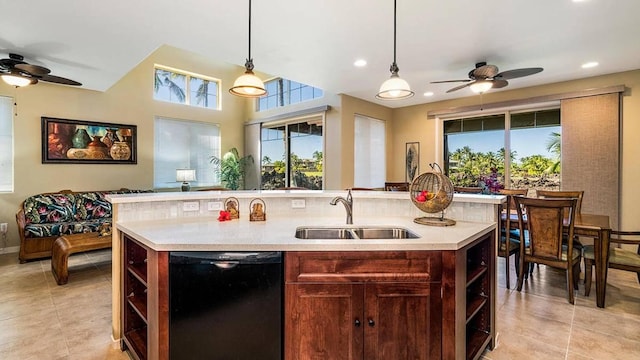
185,175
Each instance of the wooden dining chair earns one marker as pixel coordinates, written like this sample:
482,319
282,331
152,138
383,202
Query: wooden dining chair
396,186
545,224
564,194
467,189
509,242
619,258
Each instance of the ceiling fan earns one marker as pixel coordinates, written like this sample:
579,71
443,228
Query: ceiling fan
485,77
16,72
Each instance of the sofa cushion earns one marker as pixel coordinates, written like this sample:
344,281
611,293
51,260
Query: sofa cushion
50,208
92,205
64,228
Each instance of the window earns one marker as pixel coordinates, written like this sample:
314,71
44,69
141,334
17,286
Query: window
475,148
186,88
283,92
180,144
6,144
292,155
369,153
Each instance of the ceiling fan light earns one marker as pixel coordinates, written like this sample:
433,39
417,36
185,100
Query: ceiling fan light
394,88
248,85
481,86
17,80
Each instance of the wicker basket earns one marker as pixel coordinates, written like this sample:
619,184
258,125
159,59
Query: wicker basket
438,192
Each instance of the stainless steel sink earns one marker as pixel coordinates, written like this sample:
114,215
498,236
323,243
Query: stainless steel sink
354,233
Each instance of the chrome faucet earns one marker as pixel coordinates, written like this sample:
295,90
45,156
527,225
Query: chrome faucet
348,205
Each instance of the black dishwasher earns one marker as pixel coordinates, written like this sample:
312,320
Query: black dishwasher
225,305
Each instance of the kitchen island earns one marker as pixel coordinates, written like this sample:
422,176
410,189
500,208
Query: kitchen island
446,276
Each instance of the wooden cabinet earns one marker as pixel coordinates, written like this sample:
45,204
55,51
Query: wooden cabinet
468,306
145,301
391,305
479,297
372,305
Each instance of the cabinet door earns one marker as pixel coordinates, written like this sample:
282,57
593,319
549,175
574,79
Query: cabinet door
323,321
402,321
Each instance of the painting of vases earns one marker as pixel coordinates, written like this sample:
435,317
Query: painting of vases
79,141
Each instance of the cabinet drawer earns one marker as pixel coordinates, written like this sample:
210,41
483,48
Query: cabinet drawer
363,266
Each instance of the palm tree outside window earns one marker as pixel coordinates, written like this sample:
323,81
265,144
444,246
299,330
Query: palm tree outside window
186,88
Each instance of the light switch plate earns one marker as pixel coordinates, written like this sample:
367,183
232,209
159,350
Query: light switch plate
190,206
298,204
214,205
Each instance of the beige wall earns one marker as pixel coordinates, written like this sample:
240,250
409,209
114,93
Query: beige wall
129,101
412,124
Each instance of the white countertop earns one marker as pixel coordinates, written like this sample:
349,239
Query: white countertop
198,195
278,234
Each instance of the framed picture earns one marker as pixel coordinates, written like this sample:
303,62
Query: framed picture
87,142
412,161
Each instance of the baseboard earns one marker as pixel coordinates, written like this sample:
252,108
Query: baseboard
9,250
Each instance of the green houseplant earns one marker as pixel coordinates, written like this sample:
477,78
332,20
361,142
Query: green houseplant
232,168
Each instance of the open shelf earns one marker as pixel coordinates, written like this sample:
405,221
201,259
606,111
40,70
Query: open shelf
136,340
477,341
474,305
135,298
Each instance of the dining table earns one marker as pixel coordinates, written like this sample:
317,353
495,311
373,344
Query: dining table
598,228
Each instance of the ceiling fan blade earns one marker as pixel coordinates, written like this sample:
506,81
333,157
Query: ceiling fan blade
33,69
516,73
58,80
497,84
460,87
449,81
483,72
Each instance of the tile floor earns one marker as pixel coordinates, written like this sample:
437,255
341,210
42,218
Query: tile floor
41,320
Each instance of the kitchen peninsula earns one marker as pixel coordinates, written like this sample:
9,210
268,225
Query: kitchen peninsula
439,285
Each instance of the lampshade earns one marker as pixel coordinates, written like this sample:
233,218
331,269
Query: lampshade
248,84
185,175
394,88
17,80
481,86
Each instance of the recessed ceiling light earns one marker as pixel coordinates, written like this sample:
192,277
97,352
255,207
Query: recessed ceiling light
579,0
590,64
360,63
428,93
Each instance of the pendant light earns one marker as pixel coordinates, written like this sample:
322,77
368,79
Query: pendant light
394,88
248,84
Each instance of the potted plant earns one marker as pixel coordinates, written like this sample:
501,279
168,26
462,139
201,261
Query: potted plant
232,168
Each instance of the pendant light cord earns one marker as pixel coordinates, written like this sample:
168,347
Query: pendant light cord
250,59
394,66
394,30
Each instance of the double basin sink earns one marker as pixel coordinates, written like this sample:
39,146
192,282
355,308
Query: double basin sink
345,233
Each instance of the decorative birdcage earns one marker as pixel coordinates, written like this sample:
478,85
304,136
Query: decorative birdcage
432,192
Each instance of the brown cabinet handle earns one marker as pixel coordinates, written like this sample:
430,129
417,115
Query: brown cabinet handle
372,323
357,323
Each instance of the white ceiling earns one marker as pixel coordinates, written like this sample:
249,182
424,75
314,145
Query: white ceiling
316,41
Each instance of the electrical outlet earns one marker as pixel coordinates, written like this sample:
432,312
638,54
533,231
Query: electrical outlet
298,203
190,206
214,205
3,228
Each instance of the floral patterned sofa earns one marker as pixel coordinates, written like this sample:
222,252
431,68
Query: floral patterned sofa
42,218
